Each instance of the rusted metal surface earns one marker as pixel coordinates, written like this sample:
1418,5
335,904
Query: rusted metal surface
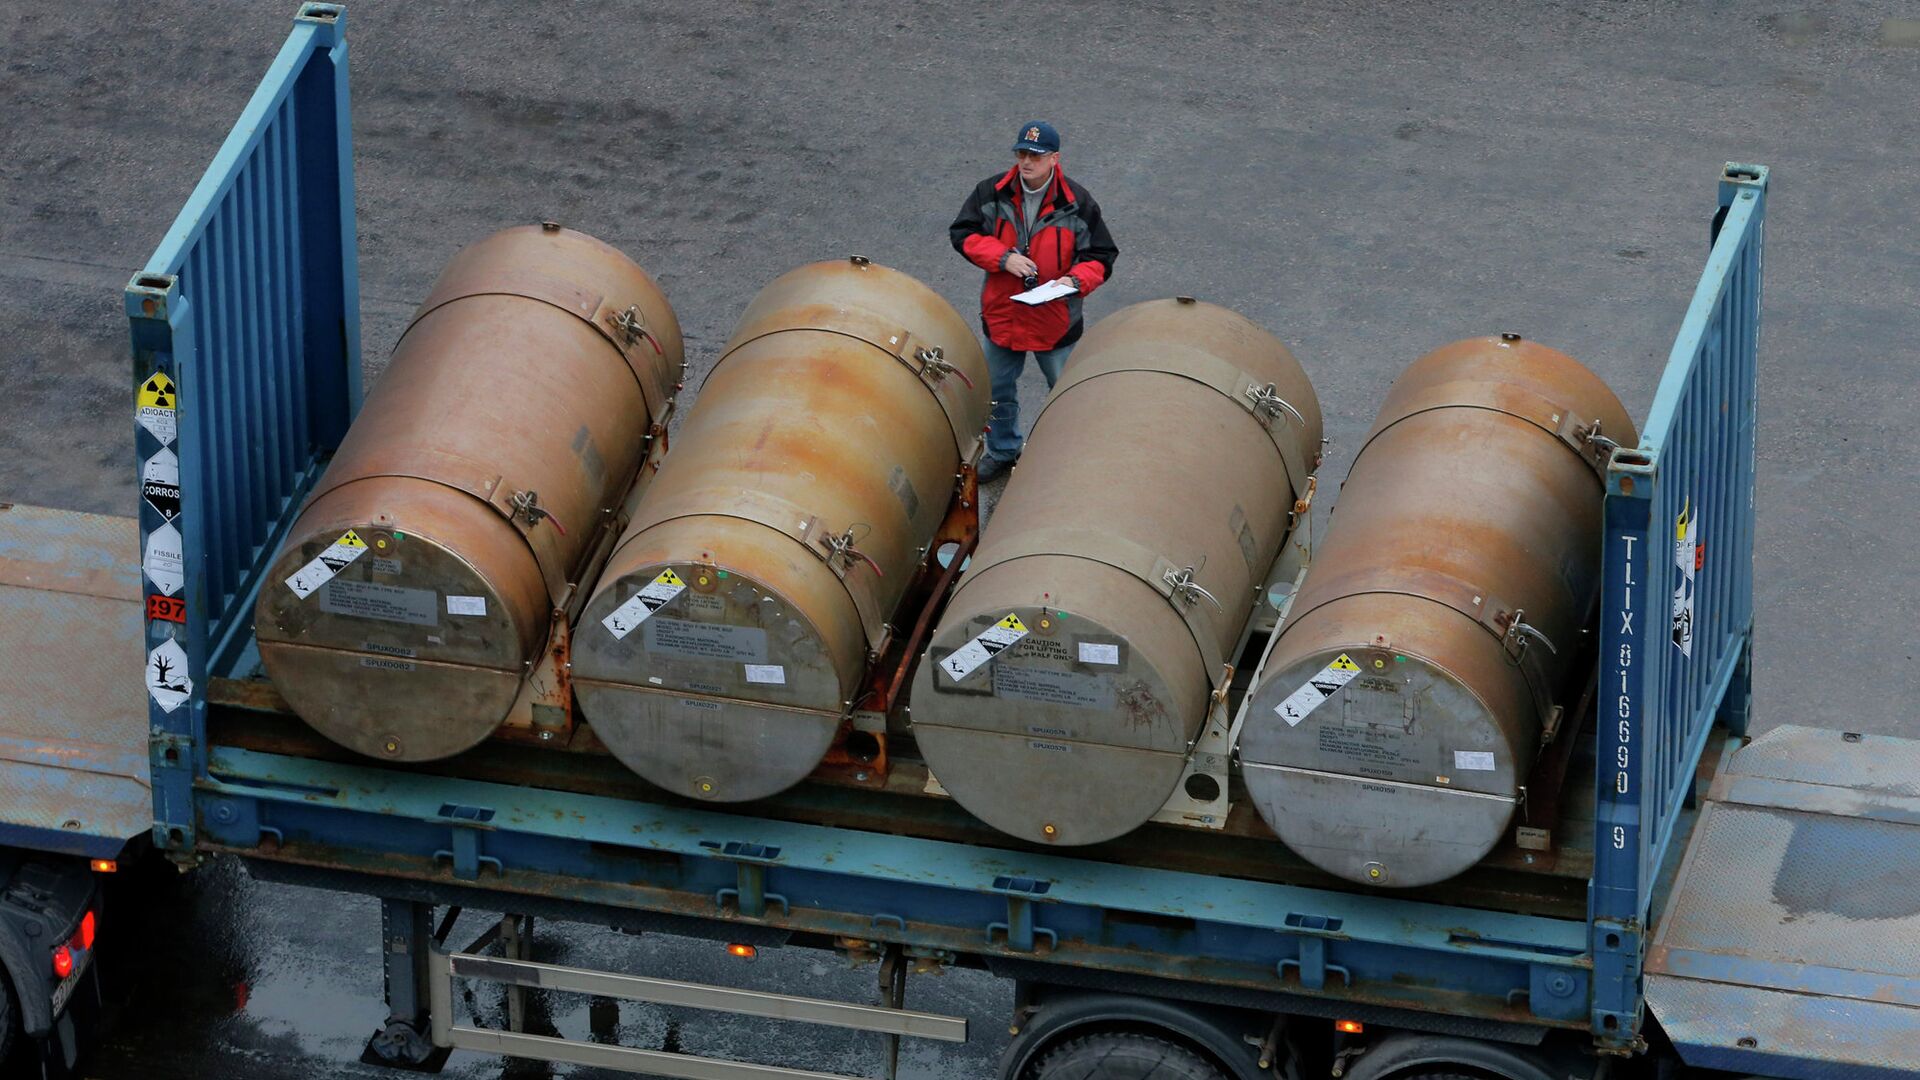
481,474
74,776
1456,575
1078,732
1792,932
808,483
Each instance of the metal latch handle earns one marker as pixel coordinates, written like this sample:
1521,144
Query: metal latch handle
1267,401
934,365
628,322
1186,588
842,547
526,504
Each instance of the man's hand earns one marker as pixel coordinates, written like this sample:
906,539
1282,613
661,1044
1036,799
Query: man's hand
1068,280
1020,266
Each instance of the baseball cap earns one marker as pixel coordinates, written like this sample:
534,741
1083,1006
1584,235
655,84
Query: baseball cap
1039,137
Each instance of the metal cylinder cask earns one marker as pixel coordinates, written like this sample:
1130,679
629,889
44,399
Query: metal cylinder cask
1403,704
1076,662
421,577
724,642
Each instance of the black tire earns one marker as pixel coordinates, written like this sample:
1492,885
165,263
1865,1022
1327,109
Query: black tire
1122,1055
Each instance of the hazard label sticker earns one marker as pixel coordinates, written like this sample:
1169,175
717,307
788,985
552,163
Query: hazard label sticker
1317,689
163,561
1689,558
338,556
967,659
657,594
168,681
160,483
171,609
157,411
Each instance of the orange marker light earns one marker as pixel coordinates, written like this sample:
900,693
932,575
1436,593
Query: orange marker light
62,961
1350,1027
744,952
86,930
105,866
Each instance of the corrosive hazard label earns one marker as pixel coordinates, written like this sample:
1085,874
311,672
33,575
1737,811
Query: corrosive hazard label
157,401
160,483
657,594
1318,688
965,660
336,558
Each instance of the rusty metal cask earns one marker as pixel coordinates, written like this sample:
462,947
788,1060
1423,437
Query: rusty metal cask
724,642
1403,704
420,579
1152,499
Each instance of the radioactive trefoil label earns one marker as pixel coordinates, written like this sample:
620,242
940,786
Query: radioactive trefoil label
338,556
164,561
967,659
1317,689
169,682
657,594
160,483
157,408
1689,555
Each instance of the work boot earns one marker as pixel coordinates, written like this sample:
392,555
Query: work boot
992,468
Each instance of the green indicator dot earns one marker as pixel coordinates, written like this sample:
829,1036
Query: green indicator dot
399,536
1399,659
721,573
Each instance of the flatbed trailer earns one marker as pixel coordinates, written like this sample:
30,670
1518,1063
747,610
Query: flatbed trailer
1625,924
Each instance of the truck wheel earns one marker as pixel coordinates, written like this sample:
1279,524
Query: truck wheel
1122,1055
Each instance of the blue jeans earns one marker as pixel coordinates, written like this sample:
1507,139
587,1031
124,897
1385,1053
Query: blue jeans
1003,429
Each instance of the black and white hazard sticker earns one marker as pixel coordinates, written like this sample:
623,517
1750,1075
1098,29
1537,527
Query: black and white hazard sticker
657,594
168,681
967,659
160,483
164,560
1320,686
338,556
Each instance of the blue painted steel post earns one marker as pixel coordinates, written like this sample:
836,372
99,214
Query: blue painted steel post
1617,928
173,574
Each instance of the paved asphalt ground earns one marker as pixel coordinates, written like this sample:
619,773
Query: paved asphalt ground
1369,181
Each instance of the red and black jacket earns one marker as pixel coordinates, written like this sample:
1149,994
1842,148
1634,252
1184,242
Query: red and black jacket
1069,237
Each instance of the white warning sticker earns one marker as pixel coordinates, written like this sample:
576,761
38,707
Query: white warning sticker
769,674
1473,761
1094,652
336,558
466,605
156,410
658,593
160,483
963,661
1689,556
163,560
168,681
1317,689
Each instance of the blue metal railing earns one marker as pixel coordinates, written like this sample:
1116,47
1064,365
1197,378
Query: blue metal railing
1677,600
245,328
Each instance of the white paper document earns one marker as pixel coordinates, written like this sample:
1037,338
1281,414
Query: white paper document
1052,290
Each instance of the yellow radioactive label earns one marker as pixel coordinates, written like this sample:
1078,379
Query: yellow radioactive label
1012,622
668,577
350,539
157,392
1343,663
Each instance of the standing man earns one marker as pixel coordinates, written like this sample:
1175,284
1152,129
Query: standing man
1023,227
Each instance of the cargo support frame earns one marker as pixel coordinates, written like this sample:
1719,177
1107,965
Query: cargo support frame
251,308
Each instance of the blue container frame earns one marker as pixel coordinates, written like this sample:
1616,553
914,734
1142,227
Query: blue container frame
251,307
1658,703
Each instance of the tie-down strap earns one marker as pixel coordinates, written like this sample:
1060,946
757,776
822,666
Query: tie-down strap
947,381
1174,582
553,551
1277,417
856,572
1580,434
621,322
1516,637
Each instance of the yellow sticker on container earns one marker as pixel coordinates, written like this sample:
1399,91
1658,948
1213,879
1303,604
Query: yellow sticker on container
968,658
321,570
657,594
1320,686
